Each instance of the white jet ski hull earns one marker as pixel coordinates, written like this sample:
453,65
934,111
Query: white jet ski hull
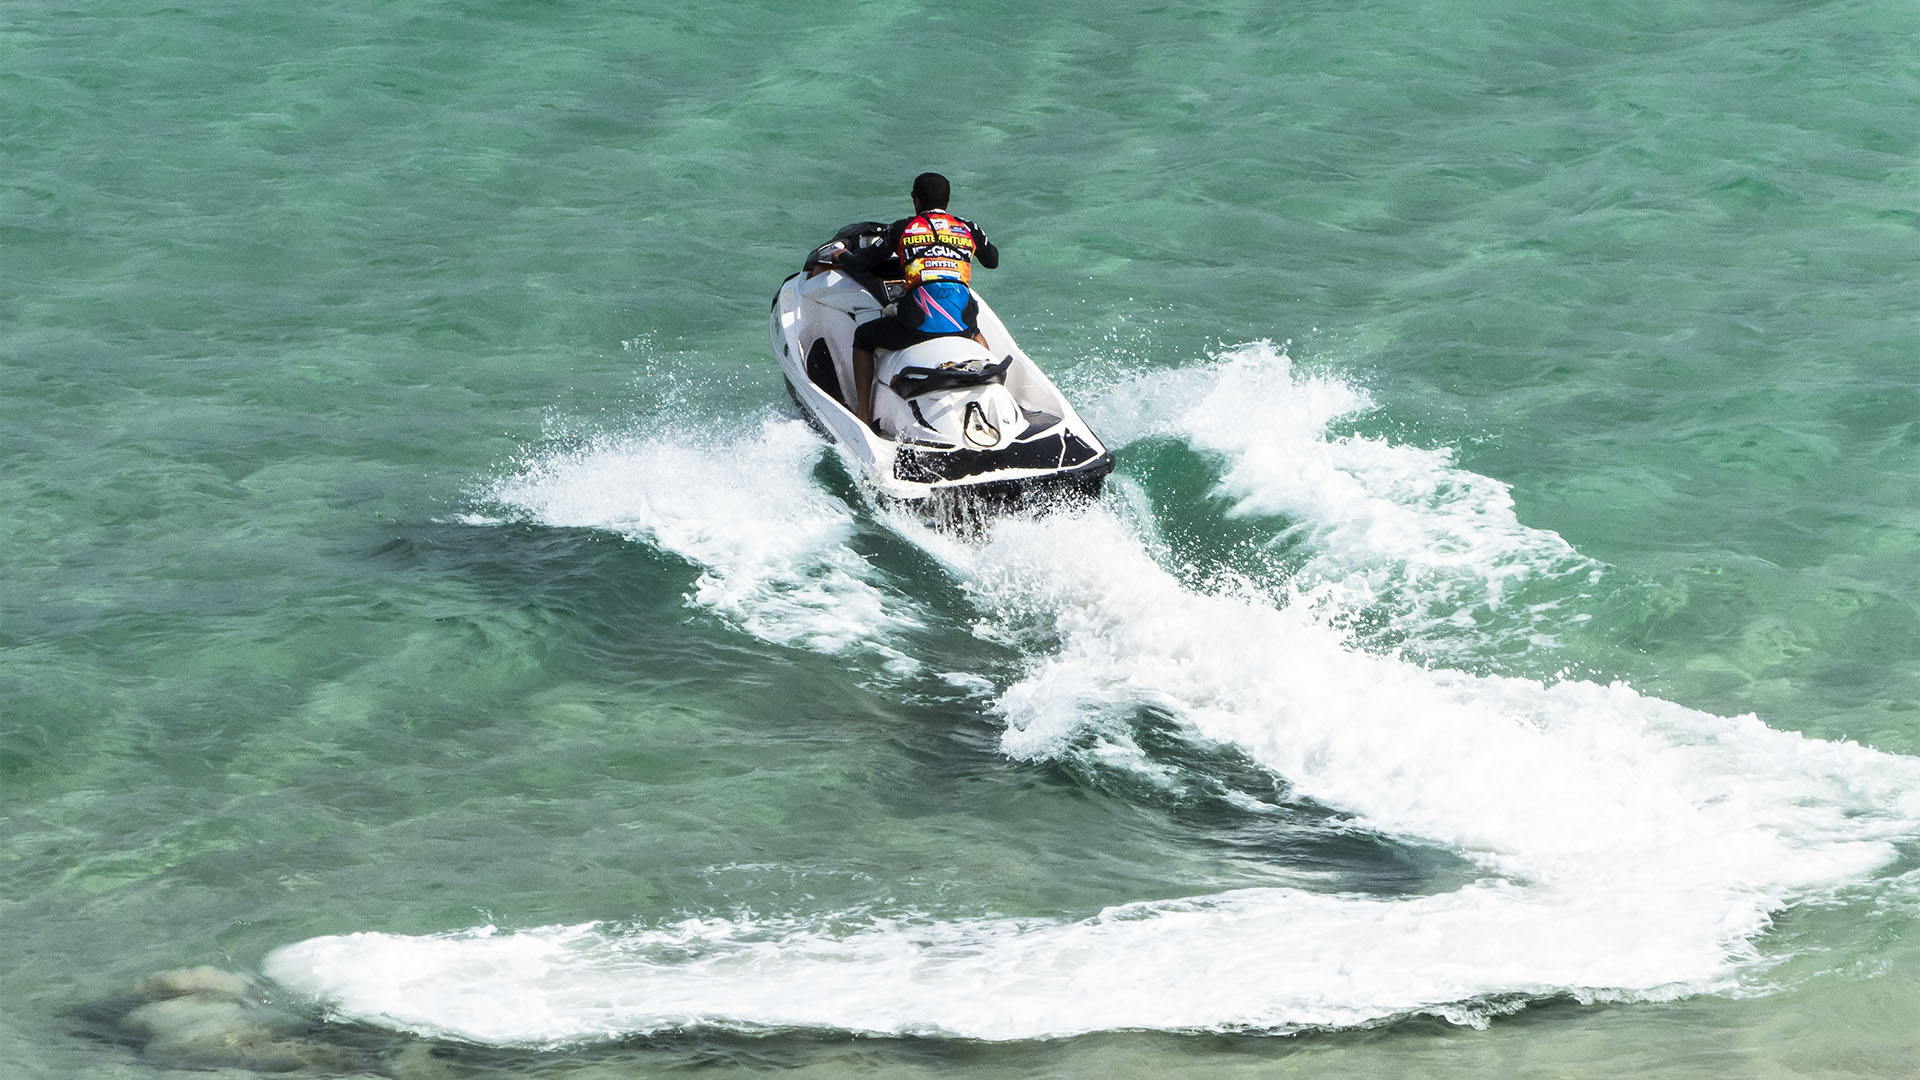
956,421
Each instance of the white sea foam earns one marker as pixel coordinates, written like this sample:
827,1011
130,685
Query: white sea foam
1571,783
1266,959
1398,525
1510,770
1631,848
771,545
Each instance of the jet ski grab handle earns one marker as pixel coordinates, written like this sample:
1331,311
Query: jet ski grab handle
911,382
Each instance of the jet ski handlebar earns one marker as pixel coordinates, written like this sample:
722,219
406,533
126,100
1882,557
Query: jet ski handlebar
860,237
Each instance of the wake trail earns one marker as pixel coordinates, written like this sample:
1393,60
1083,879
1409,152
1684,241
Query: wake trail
1629,848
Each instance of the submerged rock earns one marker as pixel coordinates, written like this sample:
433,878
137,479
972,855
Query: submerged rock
201,980
208,1018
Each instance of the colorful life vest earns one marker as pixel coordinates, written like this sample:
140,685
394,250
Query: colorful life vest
936,246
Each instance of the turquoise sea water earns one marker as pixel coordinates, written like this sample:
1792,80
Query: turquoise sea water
1497,653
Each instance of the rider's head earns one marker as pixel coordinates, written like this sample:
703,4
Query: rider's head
930,192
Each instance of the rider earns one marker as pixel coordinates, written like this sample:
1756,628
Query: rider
936,252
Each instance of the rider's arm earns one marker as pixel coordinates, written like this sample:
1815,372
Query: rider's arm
878,259
983,248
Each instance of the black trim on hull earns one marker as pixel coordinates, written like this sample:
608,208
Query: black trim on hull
1064,450
970,505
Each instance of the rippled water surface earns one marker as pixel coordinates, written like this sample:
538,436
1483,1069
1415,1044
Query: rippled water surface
1496,654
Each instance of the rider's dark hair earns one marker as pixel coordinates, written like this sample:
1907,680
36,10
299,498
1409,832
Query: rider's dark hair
932,191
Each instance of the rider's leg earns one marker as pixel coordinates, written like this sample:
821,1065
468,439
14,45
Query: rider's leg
863,384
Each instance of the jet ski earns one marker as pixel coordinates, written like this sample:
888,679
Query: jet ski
954,422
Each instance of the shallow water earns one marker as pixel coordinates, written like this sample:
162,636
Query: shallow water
421,596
